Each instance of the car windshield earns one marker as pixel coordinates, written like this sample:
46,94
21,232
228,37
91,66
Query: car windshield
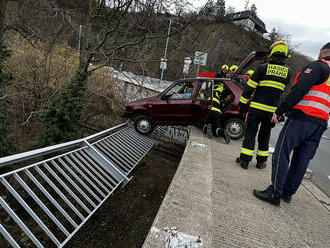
182,90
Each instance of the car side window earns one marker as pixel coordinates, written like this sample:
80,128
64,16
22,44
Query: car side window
181,90
205,91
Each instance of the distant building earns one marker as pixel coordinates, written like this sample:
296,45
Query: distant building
249,20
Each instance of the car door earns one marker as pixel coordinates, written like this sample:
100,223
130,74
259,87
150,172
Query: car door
175,107
202,101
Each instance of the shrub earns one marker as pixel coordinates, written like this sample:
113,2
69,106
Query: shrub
41,73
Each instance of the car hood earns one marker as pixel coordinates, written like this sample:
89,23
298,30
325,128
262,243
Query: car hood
143,101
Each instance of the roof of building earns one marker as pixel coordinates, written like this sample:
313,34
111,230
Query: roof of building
249,14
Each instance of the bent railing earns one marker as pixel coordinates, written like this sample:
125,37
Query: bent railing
177,133
50,200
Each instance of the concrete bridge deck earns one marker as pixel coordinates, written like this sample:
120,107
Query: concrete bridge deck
210,204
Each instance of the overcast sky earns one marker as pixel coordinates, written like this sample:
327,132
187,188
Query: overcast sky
307,21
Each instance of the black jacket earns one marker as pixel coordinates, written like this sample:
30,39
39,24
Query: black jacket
313,74
266,84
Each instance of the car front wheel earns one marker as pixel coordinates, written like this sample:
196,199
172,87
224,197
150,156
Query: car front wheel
235,128
143,124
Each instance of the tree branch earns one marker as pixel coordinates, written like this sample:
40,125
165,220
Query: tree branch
28,119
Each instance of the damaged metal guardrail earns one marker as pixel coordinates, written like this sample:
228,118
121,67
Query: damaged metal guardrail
176,133
50,200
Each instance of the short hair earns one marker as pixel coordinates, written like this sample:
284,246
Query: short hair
326,46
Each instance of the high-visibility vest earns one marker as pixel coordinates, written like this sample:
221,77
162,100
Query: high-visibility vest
316,102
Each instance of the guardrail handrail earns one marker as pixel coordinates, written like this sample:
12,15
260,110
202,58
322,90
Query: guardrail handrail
50,149
59,194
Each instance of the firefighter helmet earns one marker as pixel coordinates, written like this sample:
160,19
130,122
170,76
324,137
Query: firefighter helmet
279,47
224,67
233,68
250,72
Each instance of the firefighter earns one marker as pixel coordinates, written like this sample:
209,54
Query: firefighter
223,72
266,84
307,107
213,119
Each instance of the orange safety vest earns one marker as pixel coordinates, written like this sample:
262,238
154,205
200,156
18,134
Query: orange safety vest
316,102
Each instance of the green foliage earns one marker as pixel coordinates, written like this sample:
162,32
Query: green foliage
220,9
208,9
274,35
62,116
214,9
7,146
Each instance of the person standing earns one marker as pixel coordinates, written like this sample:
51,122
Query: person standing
213,120
266,84
307,107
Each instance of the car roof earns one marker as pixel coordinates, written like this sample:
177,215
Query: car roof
207,78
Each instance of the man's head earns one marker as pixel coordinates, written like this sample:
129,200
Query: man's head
325,51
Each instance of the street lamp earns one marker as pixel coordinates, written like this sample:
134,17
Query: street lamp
163,65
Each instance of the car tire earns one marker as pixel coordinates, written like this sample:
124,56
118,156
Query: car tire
144,124
235,128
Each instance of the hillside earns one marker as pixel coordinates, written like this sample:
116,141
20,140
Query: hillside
225,43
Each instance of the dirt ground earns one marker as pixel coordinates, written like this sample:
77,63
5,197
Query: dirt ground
126,217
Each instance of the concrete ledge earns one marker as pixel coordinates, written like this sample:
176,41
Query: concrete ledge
210,204
187,205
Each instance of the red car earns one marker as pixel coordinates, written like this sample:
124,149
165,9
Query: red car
187,102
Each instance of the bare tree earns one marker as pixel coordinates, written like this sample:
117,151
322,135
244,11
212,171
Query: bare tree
108,30
246,5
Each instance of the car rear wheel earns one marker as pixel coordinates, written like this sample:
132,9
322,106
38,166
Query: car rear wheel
235,128
143,124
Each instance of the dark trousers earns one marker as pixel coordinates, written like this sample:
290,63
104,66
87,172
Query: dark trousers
303,138
214,118
253,123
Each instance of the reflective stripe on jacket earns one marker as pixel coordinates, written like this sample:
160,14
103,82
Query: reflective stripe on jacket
216,99
316,102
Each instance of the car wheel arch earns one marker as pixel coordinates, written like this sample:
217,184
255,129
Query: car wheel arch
138,112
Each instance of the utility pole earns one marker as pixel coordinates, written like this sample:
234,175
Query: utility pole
79,38
165,53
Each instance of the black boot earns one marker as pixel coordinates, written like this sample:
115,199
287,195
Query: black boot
242,163
286,198
226,136
265,196
261,165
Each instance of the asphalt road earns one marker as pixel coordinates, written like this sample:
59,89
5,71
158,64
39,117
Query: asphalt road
321,162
